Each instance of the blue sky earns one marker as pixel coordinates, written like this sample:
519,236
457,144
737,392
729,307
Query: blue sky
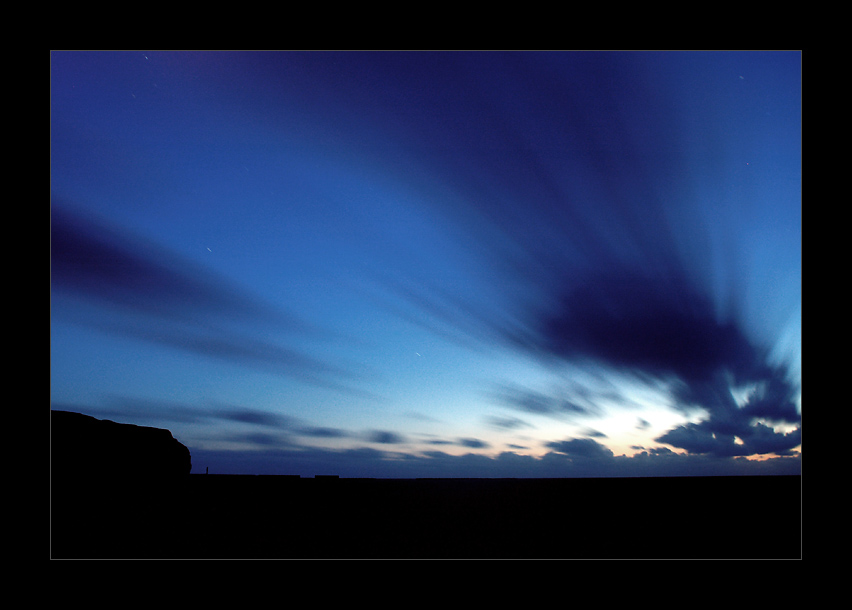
399,264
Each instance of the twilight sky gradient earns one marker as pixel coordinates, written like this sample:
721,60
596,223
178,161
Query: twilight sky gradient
392,264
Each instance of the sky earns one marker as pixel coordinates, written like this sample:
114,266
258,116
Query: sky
433,264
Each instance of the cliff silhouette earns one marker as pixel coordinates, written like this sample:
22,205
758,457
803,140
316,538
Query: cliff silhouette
121,491
115,489
85,447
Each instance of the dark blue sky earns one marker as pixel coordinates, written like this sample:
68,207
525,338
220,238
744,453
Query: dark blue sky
433,264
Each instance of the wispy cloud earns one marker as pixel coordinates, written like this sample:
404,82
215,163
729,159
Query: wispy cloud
598,252
507,423
148,293
564,404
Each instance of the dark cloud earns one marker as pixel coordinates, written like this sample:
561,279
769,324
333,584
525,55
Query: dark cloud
665,451
709,437
661,329
739,428
322,432
637,321
664,329
117,269
517,447
148,293
580,448
253,416
385,437
548,195
773,400
470,443
473,443
763,439
440,441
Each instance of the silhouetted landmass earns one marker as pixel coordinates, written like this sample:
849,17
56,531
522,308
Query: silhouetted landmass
114,488
234,516
702,517
83,446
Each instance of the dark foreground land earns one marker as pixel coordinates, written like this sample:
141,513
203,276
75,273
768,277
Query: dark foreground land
210,516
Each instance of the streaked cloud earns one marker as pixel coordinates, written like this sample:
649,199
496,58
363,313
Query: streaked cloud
147,293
